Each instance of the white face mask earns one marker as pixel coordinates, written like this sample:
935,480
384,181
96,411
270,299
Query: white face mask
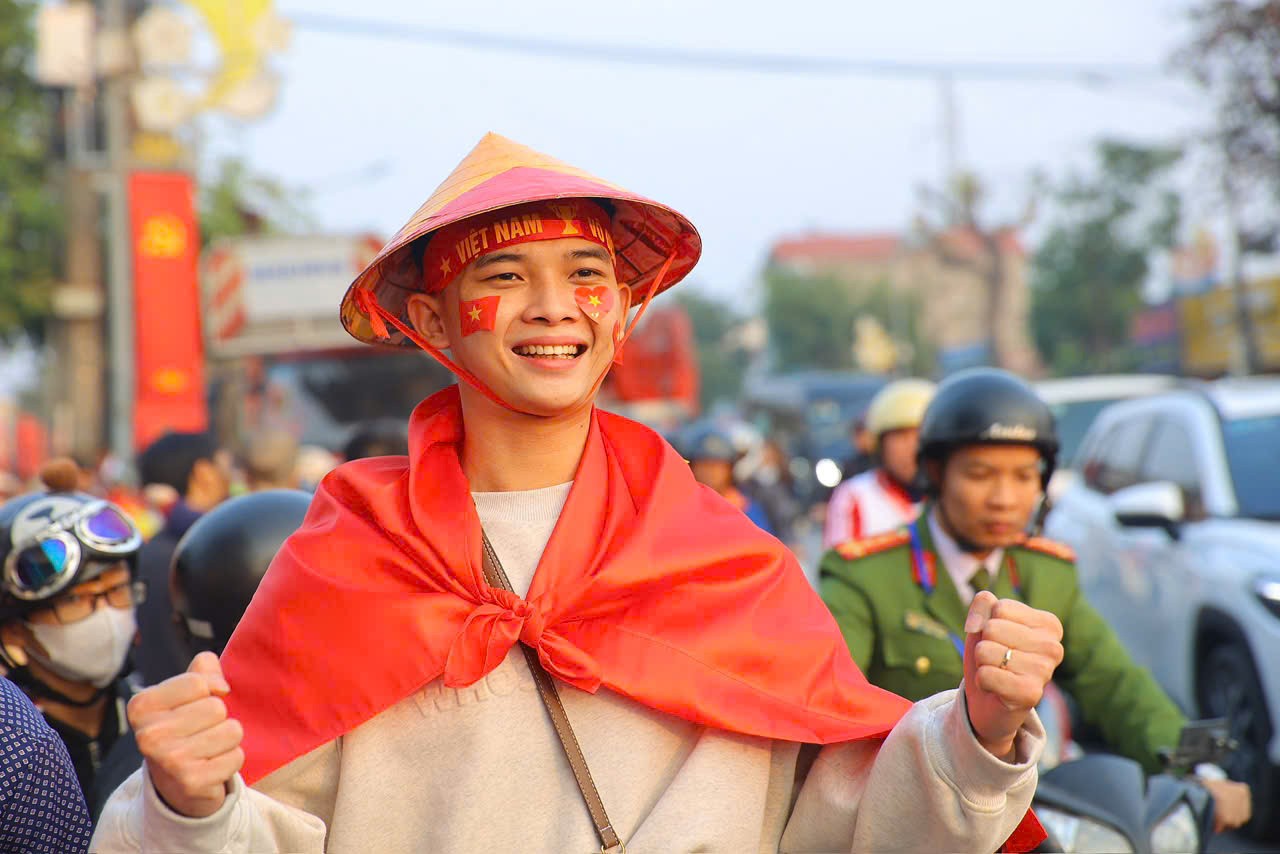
90,650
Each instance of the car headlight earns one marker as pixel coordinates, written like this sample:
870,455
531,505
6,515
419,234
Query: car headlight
1267,589
1176,832
1076,833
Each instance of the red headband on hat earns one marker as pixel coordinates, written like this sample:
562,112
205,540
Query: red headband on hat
455,246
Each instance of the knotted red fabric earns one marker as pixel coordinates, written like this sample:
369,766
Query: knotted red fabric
651,585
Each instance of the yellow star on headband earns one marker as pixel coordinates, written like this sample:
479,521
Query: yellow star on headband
445,266
475,313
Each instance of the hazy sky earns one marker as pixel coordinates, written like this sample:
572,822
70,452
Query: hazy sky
374,124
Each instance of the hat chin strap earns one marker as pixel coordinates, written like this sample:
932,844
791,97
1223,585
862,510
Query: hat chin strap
379,317
368,303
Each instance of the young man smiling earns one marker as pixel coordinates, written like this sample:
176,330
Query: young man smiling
674,659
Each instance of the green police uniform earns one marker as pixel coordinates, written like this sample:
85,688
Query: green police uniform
906,640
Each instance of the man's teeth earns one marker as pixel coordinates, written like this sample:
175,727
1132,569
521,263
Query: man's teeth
564,351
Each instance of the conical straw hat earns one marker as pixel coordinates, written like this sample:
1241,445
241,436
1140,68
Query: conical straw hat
499,173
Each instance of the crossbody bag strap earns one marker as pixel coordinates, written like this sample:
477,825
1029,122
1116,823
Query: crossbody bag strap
609,841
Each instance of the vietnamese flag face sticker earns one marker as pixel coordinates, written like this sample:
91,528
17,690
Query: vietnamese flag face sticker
595,302
478,315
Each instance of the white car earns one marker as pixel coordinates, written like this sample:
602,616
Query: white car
1175,521
1076,401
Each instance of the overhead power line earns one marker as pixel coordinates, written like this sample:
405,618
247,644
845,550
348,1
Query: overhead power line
720,60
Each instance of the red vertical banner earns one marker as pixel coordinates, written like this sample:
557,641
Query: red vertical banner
168,348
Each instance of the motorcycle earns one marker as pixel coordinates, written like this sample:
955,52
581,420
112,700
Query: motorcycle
1104,803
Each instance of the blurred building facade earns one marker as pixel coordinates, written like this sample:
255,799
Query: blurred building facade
1197,330
949,277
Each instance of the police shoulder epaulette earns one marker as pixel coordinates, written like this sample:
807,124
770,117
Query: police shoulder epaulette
854,549
1062,551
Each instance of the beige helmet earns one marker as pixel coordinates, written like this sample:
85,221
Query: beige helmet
898,406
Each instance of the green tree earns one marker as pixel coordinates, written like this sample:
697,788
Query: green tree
30,212
1088,273
235,200
1234,54
721,364
811,321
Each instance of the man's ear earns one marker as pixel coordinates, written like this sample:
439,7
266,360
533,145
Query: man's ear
624,306
427,316
934,468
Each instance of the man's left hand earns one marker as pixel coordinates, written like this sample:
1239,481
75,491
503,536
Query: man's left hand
1232,804
1011,651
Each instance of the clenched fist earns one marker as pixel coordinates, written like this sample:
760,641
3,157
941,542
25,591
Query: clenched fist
192,749
1011,651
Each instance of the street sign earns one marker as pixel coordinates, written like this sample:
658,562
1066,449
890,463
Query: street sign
279,294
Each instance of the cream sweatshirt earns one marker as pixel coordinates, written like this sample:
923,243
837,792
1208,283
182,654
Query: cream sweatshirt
481,769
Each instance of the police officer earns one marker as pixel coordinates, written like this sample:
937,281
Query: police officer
221,559
884,496
987,449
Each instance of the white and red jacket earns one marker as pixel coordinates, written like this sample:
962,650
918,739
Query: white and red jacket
865,505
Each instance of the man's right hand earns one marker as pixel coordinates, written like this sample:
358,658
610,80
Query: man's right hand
192,749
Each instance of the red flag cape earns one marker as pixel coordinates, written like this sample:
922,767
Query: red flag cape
650,585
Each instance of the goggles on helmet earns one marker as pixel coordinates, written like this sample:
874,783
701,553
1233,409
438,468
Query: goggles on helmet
45,563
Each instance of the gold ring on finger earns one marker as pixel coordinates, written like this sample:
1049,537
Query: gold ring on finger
1008,656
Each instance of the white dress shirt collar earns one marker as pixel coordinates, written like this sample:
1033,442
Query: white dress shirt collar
960,564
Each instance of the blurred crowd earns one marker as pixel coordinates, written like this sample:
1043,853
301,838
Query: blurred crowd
89,609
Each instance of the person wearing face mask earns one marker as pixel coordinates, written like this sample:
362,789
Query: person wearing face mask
67,621
772,486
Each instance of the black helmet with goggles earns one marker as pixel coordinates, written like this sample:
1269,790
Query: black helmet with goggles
52,541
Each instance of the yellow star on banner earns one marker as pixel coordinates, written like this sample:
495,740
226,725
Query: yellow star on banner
475,314
445,266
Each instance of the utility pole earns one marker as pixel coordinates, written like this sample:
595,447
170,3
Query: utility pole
92,358
78,412
117,16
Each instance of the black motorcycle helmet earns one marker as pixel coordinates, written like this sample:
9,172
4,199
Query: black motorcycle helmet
52,541
219,562
986,406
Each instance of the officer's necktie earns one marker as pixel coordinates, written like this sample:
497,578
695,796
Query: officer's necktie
981,579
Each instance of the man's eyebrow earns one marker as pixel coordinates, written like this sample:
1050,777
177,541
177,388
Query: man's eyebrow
497,258
595,252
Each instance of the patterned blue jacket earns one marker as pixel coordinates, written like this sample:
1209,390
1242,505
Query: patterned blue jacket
42,810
